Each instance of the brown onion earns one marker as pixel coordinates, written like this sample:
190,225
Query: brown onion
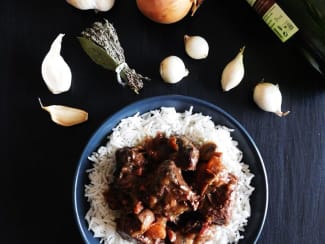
165,11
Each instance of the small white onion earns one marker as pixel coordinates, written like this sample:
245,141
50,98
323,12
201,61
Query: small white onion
196,47
268,97
233,73
172,69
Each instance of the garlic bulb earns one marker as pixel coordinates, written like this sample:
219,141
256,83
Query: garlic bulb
268,97
196,47
172,69
55,71
64,115
233,73
99,5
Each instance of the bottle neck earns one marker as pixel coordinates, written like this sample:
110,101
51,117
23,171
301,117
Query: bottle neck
262,6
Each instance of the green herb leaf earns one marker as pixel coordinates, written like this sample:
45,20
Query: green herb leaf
97,54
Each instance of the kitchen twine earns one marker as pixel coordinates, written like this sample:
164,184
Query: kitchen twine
118,70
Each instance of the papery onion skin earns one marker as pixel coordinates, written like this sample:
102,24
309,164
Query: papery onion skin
165,11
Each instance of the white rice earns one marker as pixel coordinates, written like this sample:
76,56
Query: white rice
131,131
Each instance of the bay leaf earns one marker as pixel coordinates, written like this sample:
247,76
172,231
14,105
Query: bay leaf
97,54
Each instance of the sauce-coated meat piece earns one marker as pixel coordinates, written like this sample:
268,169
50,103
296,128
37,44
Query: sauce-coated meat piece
187,154
207,150
129,226
191,228
215,206
130,163
169,195
121,199
143,227
215,185
158,148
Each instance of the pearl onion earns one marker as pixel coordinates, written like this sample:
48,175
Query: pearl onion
196,47
172,69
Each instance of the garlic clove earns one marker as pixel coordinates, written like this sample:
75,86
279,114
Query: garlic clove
268,97
172,69
56,72
64,115
234,71
196,47
99,5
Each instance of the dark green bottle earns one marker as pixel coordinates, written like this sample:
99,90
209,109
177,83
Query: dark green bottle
300,22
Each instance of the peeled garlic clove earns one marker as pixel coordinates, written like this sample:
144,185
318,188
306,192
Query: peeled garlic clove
64,115
55,71
172,69
268,97
233,72
99,5
196,47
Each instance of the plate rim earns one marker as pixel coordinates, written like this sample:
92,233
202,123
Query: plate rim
98,134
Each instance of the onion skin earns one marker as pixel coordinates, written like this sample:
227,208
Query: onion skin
165,11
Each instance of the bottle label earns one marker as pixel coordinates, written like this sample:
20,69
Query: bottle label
251,2
275,18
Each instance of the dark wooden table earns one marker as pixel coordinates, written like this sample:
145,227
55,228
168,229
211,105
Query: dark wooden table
39,158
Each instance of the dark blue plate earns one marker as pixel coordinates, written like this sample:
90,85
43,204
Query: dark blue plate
251,156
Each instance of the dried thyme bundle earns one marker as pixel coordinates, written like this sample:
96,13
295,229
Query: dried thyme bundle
101,44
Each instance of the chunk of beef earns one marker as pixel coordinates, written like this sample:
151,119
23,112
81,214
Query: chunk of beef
169,195
216,202
190,222
158,148
143,227
207,150
187,154
135,226
129,226
215,185
190,228
130,162
122,194
119,200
